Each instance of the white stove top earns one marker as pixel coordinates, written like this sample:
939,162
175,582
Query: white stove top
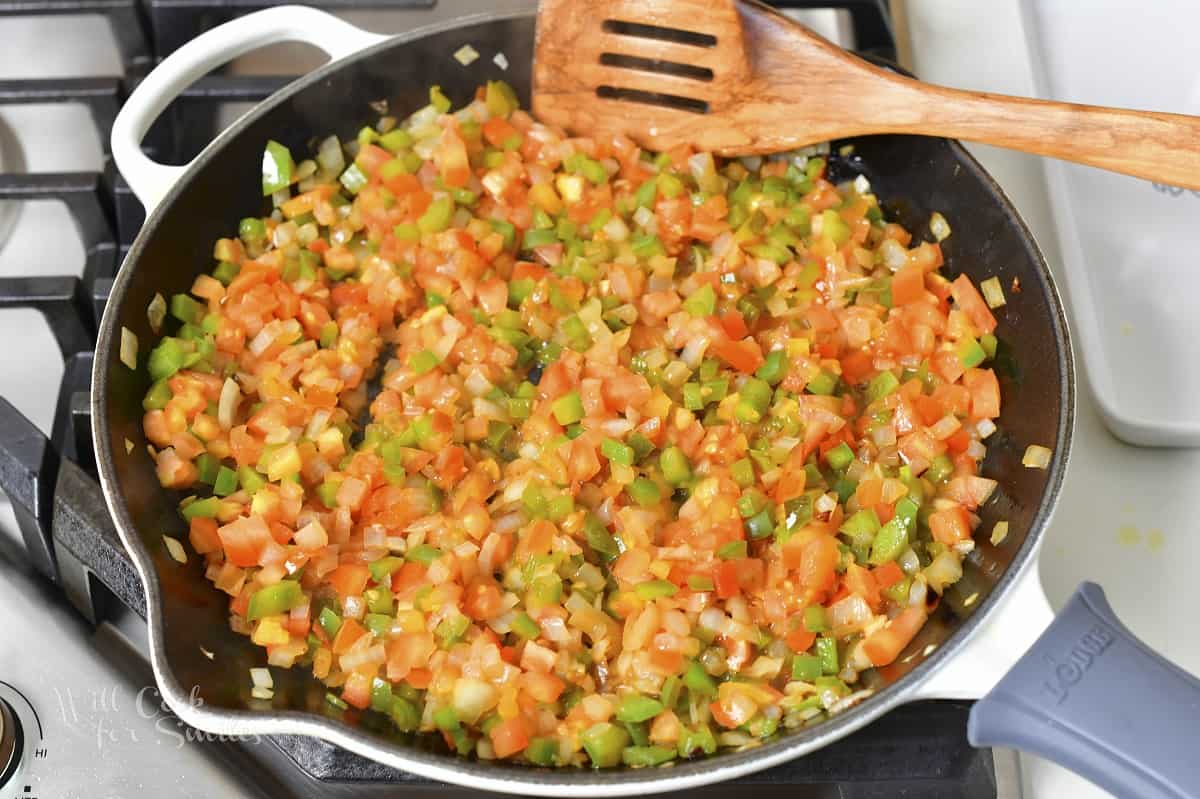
1123,520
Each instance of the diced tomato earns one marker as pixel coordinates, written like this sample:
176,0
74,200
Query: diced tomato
985,392
950,526
349,579
482,599
818,563
202,535
543,687
725,578
862,582
451,158
357,690
885,644
509,737
244,540
499,130
347,634
734,325
908,284
800,639
857,366
968,298
405,652
745,355
888,574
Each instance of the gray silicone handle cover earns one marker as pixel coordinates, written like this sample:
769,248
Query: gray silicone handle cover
1092,697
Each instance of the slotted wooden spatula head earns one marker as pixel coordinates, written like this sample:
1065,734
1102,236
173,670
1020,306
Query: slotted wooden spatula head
669,72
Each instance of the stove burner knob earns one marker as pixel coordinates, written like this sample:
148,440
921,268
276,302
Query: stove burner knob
11,742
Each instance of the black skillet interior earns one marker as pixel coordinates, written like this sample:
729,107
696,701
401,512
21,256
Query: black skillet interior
915,176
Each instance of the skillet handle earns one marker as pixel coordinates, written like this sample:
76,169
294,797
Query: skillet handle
150,180
1094,698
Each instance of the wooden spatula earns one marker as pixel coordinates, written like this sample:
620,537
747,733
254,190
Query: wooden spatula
736,78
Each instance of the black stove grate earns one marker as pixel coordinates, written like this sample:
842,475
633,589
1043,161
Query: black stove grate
916,751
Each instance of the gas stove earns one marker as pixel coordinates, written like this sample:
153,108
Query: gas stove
79,714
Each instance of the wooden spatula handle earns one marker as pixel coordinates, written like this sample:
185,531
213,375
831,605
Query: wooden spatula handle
1145,144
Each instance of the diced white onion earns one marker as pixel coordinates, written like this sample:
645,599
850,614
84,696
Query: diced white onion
644,218
993,292
227,404
985,427
466,55
999,533
1036,457
175,549
129,348
156,312
946,569
261,678
500,60
938,226
862,185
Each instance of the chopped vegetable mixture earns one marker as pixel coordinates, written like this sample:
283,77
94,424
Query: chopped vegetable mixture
570,452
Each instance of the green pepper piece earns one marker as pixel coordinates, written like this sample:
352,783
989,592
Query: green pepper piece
157,397
699,582
970,353
840,456
702,302
774,367
404,714
568,408
760,525
383,568
423,362
604,743
186,309
437,215
834,227
641,756
676,467
742,472
732,550
423,554
274,599
646,194
542,751
806,667
202,508
816,620
653,589
635,707
881,385
167,358
823,383
893,537
330,622
524,626
698,680
252,229
277,167
207,467
827,653
644,492
616,452
600,539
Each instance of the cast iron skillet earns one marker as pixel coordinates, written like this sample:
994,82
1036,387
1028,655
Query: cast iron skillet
1043,705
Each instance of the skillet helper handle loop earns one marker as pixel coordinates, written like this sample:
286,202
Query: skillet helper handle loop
150,180
1091,696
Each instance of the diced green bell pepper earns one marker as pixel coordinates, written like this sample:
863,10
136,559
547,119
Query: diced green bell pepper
274,599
